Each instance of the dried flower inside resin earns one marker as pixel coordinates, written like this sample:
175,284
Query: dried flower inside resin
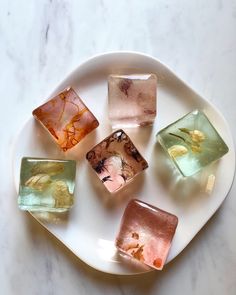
116,160
46,185
132,100
197,136
177,150
193,139
67,118
146,233
50,168
61,194
38,182
192,142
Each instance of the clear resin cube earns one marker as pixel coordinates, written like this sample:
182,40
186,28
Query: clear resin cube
46,185
192,142
67,118
116,160
132,100
146,233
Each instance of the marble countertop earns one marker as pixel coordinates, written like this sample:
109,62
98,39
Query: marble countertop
41,42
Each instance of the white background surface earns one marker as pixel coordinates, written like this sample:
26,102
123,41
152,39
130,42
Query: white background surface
40,43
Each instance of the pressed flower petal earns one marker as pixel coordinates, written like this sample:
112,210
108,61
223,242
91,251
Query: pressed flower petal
177,151
196,148
61,194
38,182
197,136
51,168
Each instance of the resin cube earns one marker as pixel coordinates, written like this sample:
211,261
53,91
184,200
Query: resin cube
132,100
67,118
46,185
116,160
146,233
192,142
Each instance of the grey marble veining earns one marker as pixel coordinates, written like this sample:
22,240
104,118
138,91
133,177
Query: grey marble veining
40,43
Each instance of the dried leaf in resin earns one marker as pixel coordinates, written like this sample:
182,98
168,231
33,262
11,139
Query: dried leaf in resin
198,135
146,233
62,195
51,168
46,185
38,182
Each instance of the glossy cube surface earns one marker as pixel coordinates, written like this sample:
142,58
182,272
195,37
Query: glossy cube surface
132,100
192,142
116,160
67,118
46,184
146,233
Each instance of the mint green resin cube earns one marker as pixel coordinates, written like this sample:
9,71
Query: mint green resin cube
192,142
46,185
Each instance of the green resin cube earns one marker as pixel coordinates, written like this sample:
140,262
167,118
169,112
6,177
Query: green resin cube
192,142
46,185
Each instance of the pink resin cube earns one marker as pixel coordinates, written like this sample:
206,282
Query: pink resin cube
116,160
132,100
146,233
67,118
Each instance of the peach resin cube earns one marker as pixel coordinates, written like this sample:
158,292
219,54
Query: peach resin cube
116,160
132,100
67,118
146,233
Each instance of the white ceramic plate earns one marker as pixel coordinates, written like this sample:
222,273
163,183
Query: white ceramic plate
90,228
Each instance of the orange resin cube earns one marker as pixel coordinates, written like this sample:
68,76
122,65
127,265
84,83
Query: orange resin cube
67,118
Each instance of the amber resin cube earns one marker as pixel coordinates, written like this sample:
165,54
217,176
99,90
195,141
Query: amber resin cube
67,118
132,100
146,233
116,160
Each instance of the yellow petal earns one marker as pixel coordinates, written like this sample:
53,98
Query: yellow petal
197,135
177,151
38,182
61,194
196,149
51,168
